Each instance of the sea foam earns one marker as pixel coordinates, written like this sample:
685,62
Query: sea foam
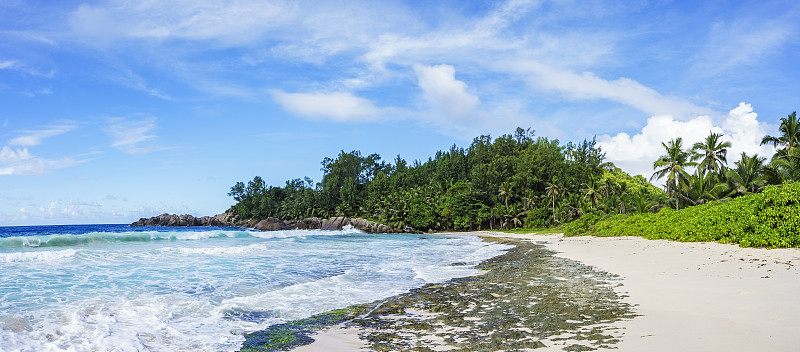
202,289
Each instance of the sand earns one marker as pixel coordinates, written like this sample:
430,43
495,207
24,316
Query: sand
691,296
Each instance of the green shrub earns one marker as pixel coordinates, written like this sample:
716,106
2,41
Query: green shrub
767,219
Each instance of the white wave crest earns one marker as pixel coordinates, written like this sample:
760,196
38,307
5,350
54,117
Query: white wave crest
37,256
347,230
236,250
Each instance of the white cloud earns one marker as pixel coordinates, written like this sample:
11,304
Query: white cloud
7,64
21,67
636,154
22,162
34,137
129,135
228,23
745,41
337,106
444,92
588,86
745,132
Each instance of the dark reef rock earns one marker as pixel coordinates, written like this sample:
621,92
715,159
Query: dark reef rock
183,220
271,224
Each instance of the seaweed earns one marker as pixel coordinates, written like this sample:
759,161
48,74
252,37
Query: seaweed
286,336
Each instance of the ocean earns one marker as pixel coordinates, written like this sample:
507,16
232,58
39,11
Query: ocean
121,288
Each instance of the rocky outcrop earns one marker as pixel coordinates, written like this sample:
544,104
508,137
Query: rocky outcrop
365,225
182,220
272,224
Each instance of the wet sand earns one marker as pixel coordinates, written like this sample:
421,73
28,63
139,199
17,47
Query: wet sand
689,296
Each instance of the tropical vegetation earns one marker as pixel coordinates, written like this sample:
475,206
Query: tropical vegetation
768,219
513,181
754,203
520,180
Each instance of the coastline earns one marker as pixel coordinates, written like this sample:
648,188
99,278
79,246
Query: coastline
527,298
687,296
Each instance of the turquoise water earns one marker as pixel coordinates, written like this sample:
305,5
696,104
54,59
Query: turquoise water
119,288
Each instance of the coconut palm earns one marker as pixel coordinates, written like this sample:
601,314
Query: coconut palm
672,165
789,138
712,152
747,177
702,187
785,167
553,191
640,203
592,193
505,194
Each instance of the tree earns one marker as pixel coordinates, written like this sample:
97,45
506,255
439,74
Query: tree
592,194
747,177
553,191
672,165
789,137
712,152
702,187
785,167
504,194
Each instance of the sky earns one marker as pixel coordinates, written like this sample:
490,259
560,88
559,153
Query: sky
115,110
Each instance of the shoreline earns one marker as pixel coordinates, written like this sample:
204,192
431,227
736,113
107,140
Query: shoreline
686,295
527,298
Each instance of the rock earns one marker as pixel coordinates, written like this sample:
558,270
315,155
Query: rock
271,224
333,223
183,220
309,224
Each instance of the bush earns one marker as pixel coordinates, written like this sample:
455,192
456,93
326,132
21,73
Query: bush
767,219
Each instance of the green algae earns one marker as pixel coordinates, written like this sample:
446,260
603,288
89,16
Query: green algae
284,337
526,299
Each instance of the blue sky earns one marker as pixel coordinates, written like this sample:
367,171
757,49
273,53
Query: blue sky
115,110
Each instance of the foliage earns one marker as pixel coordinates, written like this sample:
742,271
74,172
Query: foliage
515,180
521,181
673,165
767,219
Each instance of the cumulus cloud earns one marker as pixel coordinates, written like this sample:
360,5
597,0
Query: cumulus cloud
746,132
20,161
336,106
130,135
30,138
636,154
444,92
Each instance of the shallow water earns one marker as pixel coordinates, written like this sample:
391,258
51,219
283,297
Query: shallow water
113,287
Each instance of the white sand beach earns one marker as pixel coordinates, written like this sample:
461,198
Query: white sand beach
691,296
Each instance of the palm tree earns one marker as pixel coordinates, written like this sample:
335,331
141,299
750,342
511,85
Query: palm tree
505,194
712,152
785,167
702,188
640,203
789,138
672,165
746,178
553,191
592,194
